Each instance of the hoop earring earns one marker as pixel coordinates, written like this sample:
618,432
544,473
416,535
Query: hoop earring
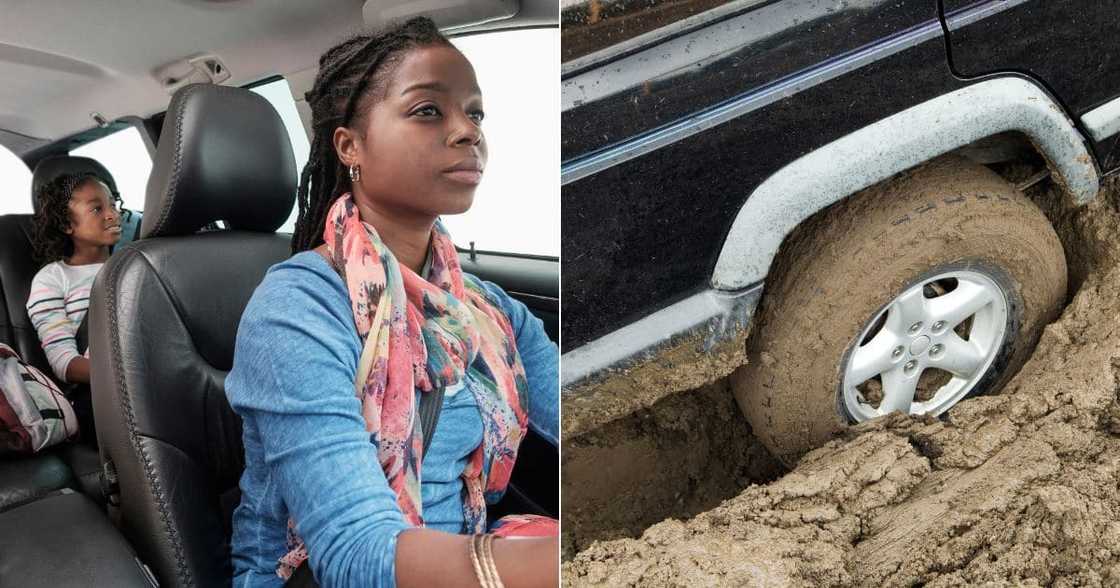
355,173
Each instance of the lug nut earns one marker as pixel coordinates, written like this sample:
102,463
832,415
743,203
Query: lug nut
938,326
936,350
897,353
914,328
910,365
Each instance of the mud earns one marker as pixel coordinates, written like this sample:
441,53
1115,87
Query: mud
679,457
1021,488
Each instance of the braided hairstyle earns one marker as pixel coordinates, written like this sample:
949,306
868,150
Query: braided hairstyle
49,238
349,73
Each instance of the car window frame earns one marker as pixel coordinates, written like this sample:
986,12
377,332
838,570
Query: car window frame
63,146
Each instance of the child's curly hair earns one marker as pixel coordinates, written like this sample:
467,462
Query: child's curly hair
52,217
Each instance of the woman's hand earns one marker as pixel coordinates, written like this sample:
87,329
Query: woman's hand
430,558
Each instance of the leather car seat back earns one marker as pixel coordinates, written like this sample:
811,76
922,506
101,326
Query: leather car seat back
164,316
17,269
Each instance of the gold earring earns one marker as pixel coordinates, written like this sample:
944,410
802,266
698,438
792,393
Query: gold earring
355,173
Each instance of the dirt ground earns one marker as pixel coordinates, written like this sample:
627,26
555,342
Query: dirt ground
681,457
1021,488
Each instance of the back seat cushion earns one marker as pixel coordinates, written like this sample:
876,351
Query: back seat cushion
65,540
26,478
84,462
70,465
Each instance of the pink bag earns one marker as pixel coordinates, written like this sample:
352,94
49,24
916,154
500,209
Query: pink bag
34,414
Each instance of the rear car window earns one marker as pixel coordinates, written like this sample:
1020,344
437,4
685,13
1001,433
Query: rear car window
126,156
15,184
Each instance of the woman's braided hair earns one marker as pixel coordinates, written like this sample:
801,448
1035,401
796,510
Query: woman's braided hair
348,72
52,218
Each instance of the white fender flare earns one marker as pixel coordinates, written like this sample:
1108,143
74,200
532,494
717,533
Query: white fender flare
892,145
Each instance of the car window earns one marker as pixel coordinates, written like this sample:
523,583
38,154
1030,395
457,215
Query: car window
279,94
127,158
522,130
596,27
15,184
517,207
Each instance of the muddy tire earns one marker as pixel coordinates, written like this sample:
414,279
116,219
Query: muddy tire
851,264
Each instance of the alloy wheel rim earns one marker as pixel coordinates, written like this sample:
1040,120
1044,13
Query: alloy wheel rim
926,349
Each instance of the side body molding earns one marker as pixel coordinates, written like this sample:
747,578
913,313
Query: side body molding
892,145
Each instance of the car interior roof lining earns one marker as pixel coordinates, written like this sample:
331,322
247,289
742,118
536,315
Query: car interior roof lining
77,51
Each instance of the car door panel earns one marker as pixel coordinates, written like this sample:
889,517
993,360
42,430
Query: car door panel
1066,44
533,281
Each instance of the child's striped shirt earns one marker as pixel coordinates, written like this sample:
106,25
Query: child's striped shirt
58,302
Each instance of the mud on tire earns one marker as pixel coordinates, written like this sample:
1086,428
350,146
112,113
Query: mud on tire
841,268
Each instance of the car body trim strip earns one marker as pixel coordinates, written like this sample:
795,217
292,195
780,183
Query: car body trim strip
979,11
1103,121
737,106
600,159
711,316
605,56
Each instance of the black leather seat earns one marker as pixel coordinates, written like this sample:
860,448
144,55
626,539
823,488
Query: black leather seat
26,479
65,540
71,465
164,318
17,269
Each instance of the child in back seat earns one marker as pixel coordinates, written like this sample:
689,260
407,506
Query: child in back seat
76,226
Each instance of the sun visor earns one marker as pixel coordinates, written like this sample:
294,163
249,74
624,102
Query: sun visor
449,15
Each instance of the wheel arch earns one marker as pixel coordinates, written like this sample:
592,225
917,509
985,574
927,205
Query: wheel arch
895,144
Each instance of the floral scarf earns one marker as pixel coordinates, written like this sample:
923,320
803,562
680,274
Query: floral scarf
421,333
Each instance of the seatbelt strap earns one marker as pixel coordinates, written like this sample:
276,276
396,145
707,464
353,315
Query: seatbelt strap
82,337
135,233
431,404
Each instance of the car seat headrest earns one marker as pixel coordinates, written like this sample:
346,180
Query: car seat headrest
52,167
223,155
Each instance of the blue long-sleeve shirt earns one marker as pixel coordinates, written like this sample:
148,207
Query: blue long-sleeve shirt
307,453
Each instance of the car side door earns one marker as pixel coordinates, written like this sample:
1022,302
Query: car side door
1068,45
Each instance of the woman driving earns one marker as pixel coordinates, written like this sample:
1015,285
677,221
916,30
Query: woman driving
344,348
